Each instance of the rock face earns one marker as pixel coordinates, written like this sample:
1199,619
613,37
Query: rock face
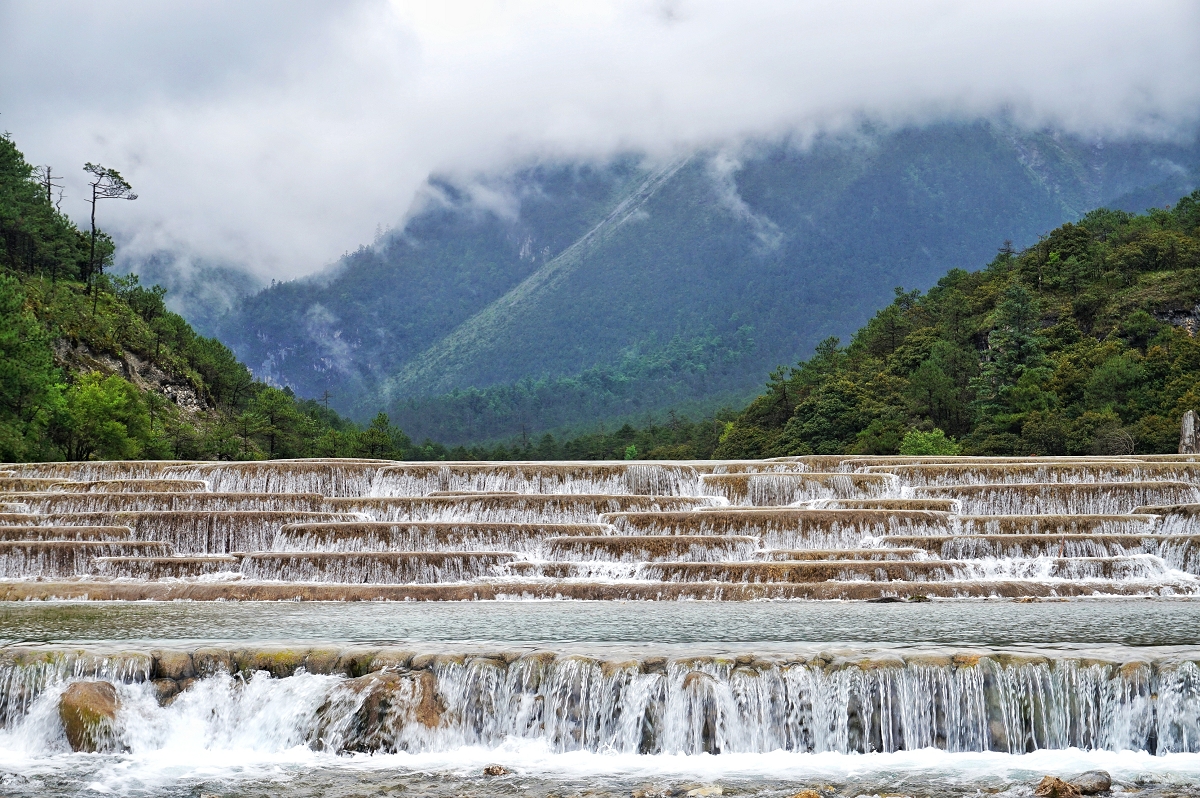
88,711
1092,782
1054,787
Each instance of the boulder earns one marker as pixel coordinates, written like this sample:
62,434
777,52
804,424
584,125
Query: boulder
279,662
165,691
1054,787
387,706
1092,782
88,711
211,661
496,770
807,794
173,665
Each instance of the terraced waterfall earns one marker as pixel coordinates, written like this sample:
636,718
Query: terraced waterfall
982,623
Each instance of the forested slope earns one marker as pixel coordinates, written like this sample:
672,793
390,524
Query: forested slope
97,367
562,294
1084,343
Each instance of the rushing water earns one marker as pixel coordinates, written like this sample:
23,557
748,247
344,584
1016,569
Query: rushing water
940,698
970,696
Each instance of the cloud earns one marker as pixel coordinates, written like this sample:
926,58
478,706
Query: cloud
281,134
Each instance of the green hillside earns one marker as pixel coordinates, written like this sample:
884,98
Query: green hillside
1084,343
606,291
96,367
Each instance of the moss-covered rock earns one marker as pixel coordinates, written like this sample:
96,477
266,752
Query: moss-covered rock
88,711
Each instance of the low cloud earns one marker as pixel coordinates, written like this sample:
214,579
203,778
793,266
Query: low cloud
279,135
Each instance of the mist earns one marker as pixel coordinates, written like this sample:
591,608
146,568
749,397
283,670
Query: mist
275,136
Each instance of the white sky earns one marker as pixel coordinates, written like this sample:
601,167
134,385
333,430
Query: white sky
280,134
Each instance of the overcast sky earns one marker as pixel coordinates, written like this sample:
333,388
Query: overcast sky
280,134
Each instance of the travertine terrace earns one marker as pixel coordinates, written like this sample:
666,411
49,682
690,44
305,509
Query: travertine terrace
817,527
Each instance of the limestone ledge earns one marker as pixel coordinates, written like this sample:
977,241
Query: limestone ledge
98,590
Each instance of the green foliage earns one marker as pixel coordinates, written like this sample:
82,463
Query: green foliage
98,367
30,386
646,376
1081,344
105,418
933,443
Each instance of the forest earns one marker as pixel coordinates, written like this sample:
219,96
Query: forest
94,366
1084,343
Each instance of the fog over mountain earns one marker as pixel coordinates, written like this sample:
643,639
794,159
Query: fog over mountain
491,217
278,135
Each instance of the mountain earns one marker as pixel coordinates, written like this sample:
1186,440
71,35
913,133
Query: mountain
561,295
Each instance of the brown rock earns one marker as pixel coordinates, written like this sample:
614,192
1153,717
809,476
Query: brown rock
173,665
390,659
387,701
279,662
496,770
323,661
88,711
165,690
1054,787
210,661
807,794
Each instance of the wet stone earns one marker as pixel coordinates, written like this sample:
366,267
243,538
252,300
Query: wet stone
211,661
1054,787
173,665
1092,782
165,690
88,711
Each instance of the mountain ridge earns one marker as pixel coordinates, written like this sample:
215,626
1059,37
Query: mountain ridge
796,244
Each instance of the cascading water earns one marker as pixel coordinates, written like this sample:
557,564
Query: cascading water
841,701
894,530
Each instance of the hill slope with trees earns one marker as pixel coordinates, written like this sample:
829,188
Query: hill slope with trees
558,295
93,366
1084,343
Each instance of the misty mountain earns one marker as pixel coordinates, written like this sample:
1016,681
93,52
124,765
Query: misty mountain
564,294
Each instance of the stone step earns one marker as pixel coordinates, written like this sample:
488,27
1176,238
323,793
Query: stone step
11,485
1174,519
412,567
1181,552
36,533
936,505
1096,524
777,490
529,508
132,486
1059,498
947,474
1142,567
66,558
651,548
637,478
193,502
165,567
425,536
580,589
340,477
786,527
882,553
188,532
